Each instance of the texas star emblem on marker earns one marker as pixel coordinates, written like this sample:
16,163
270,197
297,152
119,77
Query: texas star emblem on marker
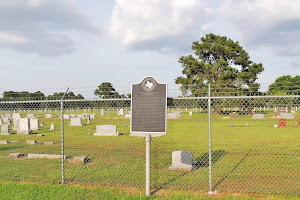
149,84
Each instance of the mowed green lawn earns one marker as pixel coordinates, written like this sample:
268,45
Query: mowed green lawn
256,158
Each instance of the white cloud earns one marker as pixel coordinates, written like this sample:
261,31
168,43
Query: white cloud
41,26
269,23
158,25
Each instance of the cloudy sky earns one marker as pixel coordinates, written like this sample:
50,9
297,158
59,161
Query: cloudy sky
55,44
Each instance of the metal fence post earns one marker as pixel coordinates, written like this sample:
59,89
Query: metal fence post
148,163
209,141
62,139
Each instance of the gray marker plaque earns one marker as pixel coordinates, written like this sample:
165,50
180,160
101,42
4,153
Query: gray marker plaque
148,108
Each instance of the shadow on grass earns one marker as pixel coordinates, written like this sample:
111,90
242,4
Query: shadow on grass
10,148
231,171
203,161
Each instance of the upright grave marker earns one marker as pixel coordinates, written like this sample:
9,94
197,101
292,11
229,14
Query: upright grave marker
148,115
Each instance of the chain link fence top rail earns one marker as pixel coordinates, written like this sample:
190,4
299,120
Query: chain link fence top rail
255,141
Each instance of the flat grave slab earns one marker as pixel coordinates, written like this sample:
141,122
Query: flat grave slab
106,130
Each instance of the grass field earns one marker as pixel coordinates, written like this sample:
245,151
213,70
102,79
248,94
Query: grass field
256,158
24,191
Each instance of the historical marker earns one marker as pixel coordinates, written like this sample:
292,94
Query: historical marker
148,108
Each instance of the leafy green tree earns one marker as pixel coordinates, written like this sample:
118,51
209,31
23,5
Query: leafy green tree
24,95
106,91
285,85
223,63
69,95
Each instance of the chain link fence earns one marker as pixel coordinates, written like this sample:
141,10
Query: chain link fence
254,143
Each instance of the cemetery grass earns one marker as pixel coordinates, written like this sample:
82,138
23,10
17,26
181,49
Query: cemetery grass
252,158
16,190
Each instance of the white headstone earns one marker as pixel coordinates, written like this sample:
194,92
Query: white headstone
127,116
24,128
30,116
48,116
52,127
120,112
172,116
182,160
293,112
75,122
34,124
102,112
0,122
190,113
16,115
106,130
66,116
5,129
5,119
16,123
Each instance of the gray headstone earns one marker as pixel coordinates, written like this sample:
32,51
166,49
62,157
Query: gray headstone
5,129
34,124
182,160
258,116
24,128
106,130
75,122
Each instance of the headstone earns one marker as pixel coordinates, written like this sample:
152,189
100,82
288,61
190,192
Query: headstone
16,115
15,155
258,116
120,112
48,116
234,115
75,122
40,135
88,119
48,143
281,110
102,112
4,142
182,160
81,116
0,122
287,116
172,116
282,123
52,127
42,123
66,116
72,115
293,112
127,116
31,142
16,123
9,116
80,159
30,115
47,156
190,113
106,130
5,129
5,120
24,128
34,124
